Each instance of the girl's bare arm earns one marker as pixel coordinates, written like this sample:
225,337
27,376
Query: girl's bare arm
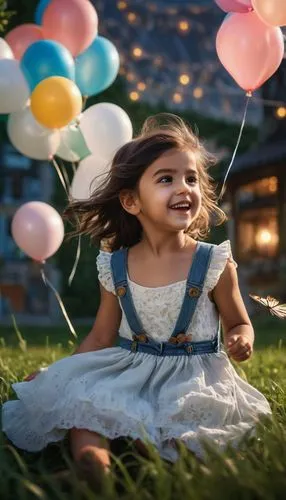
106,325
237,328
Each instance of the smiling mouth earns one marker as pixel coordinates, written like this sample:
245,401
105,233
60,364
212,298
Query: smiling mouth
181,207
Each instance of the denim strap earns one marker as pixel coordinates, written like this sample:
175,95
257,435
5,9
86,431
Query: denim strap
194,286
119,274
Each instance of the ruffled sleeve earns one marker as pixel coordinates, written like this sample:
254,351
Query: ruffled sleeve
103,263
221,254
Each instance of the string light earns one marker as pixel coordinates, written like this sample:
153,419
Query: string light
121,5
141,86
198,93
161,74
177,97
134,96
137,52
130,77
281,112
184,79
184,26
131,16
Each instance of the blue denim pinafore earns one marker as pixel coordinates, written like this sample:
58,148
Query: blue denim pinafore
180,343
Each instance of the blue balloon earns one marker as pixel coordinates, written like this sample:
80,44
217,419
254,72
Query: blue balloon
44,59
41,7
97,67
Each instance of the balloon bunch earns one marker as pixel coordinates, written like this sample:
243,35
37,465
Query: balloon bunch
250,44
47,70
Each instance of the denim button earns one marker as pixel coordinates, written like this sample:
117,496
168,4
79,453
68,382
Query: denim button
121,291
194,292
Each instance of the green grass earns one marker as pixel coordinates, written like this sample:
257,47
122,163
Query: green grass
256,471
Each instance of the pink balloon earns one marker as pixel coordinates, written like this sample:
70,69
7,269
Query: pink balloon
38,230
250,50
241,6
73,23
20,38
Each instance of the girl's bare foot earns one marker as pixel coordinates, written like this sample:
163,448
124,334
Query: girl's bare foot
93,467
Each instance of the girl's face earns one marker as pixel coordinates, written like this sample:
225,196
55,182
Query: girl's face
169,192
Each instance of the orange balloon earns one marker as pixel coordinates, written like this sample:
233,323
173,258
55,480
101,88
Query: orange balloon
272,12
20,38
56,101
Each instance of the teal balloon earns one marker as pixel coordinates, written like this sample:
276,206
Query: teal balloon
97,67
73,146
44,59
40,10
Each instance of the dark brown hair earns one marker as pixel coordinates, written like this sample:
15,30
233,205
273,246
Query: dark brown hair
103,218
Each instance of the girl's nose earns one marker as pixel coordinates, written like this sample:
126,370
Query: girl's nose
182,187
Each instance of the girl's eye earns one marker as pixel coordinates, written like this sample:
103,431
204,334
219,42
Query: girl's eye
165,179
192,179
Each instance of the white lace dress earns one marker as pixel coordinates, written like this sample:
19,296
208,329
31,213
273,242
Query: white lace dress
116,392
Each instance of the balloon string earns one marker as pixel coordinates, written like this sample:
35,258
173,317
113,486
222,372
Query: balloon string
49,284
66,177
78,252
248,95
77,257
60,176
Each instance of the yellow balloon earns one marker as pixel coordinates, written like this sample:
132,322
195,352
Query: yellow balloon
56,101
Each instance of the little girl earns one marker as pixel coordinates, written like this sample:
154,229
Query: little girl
164,292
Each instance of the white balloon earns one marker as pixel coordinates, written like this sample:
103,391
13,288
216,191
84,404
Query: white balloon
105,127
91,172
30,138
5,51
14,90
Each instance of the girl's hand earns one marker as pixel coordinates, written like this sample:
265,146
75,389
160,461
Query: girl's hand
239,347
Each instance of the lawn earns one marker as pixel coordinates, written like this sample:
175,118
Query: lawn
256,471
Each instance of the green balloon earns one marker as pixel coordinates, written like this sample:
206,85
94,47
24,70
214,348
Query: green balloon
73,146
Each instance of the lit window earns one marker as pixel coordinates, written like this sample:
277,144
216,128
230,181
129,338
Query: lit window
258,233
261,188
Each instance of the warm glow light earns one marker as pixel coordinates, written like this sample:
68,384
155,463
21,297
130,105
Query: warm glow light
273,184
130,77
137,52
264,237
184,26
184,79
134,96
121,5
177,98
198,93
131,17
281,112
141,86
